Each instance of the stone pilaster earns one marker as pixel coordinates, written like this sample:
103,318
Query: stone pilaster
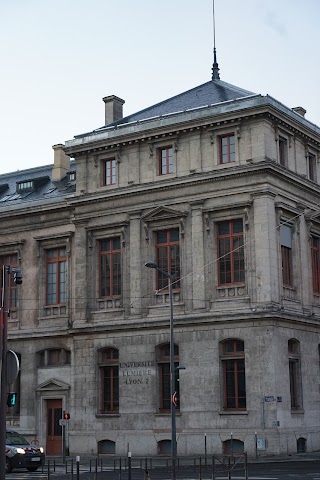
135,264
198,283
266,248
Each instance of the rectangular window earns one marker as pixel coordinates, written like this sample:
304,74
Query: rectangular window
293,374
168,257
315,259
109,371
234,375
56,276
286,255
110,267
283,151
230,252
312,167
227,149
164,377
109,172
165,160
12,261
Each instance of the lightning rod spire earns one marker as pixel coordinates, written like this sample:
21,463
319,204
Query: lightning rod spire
215,66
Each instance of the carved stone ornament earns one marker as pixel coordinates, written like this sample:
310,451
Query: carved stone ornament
246,218
207,222
123,236
146,231
90,239
309,226
96,160
182,227
151,150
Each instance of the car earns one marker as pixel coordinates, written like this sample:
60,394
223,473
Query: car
22,454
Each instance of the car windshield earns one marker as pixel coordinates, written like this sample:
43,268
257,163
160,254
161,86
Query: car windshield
14,438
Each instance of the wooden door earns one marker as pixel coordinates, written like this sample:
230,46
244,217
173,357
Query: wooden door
54,430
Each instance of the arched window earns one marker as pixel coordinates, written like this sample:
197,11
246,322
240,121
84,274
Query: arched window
164,447
301,445
106,447
295,374
109,380
163,360
233,368
232,446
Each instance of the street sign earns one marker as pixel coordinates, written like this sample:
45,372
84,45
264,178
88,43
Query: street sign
175,399
12,366
62,422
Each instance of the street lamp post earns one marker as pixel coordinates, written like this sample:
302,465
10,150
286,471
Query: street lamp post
17,278
172,370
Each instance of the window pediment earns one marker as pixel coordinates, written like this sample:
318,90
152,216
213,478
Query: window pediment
162,213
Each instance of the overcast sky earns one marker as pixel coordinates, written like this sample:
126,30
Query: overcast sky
60,57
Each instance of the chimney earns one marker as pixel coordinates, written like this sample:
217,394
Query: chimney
299,110
61,163
113,109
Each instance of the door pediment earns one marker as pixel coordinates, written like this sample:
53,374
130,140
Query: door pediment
52,384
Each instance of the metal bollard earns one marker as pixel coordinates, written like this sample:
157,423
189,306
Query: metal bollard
78,467
129,465
246,466
213,476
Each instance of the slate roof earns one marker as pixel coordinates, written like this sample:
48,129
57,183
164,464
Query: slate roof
209,93
44,187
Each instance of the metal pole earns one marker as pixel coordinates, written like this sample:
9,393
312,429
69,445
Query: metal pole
205,450
3,385
129,465
172,385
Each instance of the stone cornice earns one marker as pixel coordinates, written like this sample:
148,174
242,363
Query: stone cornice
214,116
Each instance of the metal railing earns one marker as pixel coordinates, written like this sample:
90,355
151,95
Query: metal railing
150,468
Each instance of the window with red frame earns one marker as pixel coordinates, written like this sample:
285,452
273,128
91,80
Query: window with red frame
286,255
168,257
315,263
295,374
12,261
234,381
110,267
56,275
163,357
230,252
312,167
109,172
109,378
165,160
227,149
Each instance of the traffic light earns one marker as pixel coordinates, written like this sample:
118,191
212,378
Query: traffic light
66,416
11,399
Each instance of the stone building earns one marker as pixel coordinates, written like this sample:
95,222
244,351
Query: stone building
219,186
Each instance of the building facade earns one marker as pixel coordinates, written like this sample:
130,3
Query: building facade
219,186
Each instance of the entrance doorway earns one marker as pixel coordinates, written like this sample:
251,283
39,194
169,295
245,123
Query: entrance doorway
54,430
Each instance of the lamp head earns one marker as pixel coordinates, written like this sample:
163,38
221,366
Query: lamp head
151,265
